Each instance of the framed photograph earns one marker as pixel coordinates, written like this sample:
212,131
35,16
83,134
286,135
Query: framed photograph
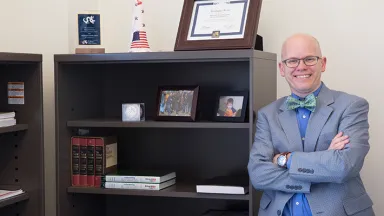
177,103
231,106
218,24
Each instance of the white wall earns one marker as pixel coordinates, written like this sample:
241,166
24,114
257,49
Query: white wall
350,33
38,26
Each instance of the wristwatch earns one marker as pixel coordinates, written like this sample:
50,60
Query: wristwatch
282,159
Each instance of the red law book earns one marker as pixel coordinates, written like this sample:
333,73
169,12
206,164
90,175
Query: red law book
91,162
75,161
83,161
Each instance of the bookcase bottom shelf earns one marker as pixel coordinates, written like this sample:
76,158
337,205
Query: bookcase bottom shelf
14,199
180,190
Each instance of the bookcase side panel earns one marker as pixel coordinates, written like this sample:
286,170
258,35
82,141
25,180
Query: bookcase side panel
78,95
26,157
264,90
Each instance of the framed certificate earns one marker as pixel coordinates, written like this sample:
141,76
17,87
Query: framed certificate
218,24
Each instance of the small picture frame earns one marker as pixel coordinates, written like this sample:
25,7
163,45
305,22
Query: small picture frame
177,103
133,112
231,106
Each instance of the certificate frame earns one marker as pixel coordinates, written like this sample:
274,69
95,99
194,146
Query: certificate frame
249,31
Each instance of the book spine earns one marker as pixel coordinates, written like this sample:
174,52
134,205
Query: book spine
83,161
75,143
123,185
140,179
91,162
99,161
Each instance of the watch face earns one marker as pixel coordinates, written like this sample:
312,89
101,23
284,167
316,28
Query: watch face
281,160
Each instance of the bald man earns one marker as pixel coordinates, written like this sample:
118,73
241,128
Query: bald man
310,146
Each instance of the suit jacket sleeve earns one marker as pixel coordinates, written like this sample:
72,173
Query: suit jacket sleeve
337,165
264,174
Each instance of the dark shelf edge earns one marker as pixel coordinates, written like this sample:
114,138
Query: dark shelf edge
14,128
162,193
13,200
20,57
167,56
154,124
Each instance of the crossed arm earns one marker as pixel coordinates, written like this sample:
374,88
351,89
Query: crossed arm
333,165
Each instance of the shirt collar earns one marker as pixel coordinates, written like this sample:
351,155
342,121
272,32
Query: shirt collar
316,93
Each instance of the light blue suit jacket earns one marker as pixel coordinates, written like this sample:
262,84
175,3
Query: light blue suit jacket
330,179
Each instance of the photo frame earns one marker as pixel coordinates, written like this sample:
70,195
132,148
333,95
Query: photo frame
218,24
231,106
177,103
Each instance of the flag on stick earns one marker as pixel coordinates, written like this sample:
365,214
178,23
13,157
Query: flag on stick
139,34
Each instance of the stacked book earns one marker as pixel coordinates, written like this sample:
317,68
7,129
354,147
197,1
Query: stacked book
139,180
7,119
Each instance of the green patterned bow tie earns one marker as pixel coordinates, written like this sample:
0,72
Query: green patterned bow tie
309,102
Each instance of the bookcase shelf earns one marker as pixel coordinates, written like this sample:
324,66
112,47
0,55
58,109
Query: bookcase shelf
90,90
15,128
14,200
153,124
22,145
180,190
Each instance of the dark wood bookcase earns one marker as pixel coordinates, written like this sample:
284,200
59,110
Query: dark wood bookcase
90,90
22,145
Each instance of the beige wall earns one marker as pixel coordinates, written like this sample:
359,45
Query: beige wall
349,31
38,26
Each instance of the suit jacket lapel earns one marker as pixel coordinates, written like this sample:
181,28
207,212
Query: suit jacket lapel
318,119
316,122
290,126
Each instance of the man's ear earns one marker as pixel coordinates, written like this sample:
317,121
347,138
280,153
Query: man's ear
323,64
282,69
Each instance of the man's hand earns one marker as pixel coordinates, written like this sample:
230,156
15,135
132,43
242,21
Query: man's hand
339,141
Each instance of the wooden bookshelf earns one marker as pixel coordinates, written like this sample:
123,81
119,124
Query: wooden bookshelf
180,190
114,123
90,90
22,145
15,128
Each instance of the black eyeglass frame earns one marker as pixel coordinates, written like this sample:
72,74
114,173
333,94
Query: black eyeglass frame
302,59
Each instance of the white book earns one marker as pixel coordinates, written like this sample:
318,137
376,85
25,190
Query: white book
137,186
7,122
141,176
5,194
4,115
237,184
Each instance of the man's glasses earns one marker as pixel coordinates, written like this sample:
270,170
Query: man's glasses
294,62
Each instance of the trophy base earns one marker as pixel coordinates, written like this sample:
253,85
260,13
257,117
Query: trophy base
89,50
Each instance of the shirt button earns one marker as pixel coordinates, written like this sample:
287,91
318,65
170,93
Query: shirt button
304,116
297,203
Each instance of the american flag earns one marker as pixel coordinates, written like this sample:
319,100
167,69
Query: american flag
139,40
139,35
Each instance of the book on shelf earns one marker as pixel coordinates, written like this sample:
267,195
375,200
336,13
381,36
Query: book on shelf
139,176
138,185
91,158
7,119
9,191
231,184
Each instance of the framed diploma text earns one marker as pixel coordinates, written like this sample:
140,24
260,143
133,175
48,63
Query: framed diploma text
218,24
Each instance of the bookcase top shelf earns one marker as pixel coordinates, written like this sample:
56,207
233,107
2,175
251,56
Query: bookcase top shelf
15,128
180,190
19,57
153,124
172,56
